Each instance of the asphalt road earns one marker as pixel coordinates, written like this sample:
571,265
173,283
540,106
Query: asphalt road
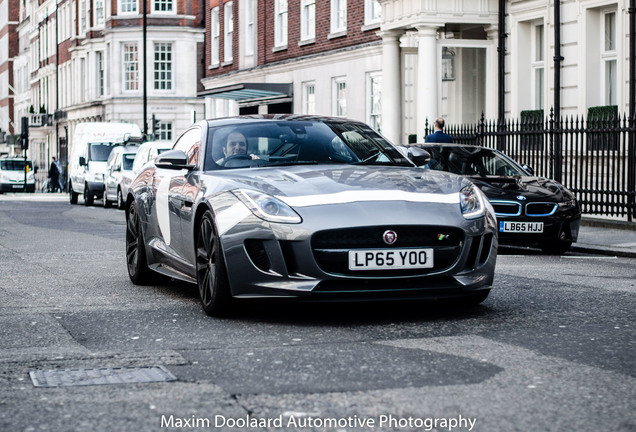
552,349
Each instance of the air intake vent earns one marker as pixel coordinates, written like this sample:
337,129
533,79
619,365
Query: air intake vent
540,209
256,251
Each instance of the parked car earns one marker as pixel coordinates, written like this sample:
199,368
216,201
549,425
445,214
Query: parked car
315,208
119,175
531,210
91,146
148,151
12,175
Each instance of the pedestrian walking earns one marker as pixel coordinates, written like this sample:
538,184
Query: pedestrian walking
439,136
55,171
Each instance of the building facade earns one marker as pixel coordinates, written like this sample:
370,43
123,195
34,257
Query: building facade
83,60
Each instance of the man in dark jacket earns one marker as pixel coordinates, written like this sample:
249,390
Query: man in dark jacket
54,176
439,136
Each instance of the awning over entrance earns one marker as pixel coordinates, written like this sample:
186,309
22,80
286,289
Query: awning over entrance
250,92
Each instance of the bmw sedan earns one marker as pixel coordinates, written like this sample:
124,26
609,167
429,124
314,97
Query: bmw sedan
531,211
309,208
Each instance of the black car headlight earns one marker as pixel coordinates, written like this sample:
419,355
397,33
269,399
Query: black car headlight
567,204
471,201
267,207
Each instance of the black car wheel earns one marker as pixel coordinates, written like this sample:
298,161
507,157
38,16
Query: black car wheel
214,287
105,199
120,200
88,196
138,270
72,195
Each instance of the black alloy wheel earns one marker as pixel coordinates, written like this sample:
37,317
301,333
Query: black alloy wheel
138,270
214,287
105,199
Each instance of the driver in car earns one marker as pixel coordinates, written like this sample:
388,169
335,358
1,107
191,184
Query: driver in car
236,145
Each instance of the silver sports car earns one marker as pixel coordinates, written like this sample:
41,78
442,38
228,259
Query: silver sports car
323,209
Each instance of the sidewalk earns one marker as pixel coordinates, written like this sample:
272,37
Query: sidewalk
606,236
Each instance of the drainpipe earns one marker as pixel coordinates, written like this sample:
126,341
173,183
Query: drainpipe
145,93
501,91
558,58
631,152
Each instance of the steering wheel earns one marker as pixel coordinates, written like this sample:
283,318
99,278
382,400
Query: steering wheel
236,157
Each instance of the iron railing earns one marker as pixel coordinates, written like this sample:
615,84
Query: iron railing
594,158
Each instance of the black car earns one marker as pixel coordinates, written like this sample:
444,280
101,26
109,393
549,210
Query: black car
530,210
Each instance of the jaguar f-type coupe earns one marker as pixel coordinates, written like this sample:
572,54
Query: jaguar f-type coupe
303,207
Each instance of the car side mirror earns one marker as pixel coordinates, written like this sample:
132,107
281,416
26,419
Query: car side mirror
528,169
173,159
82,161
418,156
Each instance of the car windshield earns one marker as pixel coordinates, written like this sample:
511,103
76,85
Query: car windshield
127,160
99,151
298,142
14,165
475,161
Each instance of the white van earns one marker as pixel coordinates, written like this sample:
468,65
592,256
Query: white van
12,175
90,148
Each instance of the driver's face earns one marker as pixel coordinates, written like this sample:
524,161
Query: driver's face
236,145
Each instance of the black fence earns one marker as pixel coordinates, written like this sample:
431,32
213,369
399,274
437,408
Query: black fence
594,157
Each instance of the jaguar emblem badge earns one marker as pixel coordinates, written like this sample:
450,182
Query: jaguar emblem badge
389,237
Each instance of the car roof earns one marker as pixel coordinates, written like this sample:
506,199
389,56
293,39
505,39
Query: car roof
255,118
158,144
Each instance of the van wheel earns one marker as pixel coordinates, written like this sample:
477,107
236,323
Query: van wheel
72,194
88,196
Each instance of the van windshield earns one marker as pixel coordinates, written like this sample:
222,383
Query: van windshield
14,165
99,151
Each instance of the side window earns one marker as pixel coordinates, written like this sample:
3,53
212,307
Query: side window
190,143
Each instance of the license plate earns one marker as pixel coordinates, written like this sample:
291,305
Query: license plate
390,259
521,227
17,186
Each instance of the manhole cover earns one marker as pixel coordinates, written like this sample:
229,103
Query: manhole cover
80,377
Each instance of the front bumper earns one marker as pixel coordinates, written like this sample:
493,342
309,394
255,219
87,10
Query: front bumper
17,187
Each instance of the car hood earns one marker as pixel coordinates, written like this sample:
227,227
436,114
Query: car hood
532,188
320,180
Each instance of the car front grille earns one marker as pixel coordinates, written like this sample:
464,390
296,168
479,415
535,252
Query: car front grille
331,248
506,208
540,209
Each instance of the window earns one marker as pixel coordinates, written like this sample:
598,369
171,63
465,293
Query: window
538,65
128,6
249,27
131,66
163,66
280,23
338,16
164,131
308,19
309,98
374,100
215,36
609,58
372,12
100,73
163,6
339,97
228,28
99,12
82,17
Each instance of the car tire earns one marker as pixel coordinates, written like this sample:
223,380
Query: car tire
212,280
120,200
558,247
138,270
105,200
88,196
72,195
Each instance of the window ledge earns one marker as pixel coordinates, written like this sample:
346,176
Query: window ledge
279,48
227,63
371,26
307,42
214,66
337,34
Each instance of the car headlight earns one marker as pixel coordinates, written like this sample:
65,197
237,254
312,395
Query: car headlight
567,204
268,207
471,201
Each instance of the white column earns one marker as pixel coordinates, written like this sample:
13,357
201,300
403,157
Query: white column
427,83
492,75
391,86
